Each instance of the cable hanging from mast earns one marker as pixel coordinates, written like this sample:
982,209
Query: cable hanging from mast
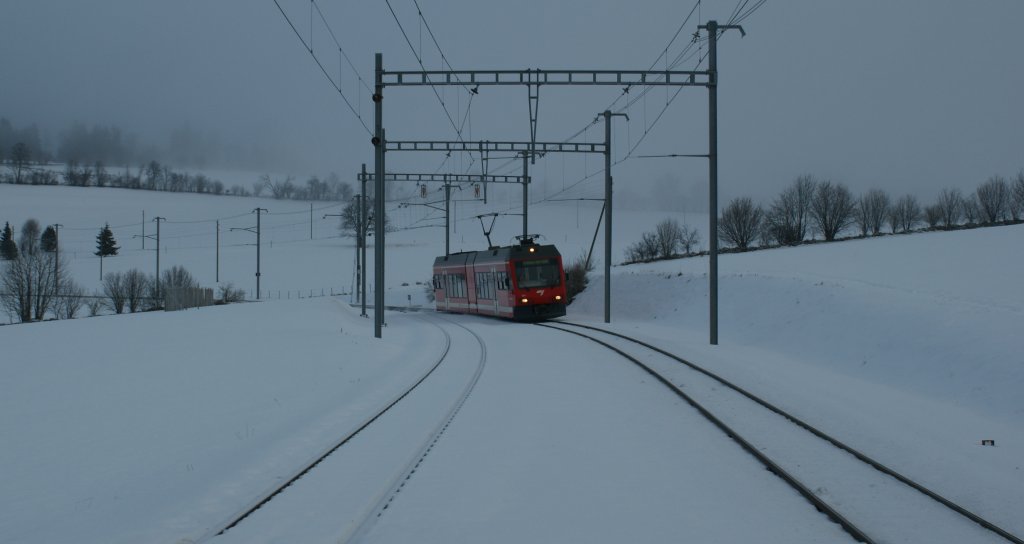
309,47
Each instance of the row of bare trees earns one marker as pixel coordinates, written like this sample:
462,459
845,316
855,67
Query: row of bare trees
669,239
809,207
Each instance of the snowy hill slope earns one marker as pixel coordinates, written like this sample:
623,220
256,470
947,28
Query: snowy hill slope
148,427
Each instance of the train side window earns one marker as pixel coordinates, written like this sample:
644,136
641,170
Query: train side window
485,285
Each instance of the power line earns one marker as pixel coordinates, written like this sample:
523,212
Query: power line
419,60
340,49
309,47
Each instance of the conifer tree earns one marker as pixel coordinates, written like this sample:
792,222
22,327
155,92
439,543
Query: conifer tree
49,240
8,249
106,246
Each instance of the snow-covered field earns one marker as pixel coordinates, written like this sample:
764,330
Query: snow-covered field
157,427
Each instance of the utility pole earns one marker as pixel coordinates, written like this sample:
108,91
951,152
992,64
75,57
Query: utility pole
378,220
258,233
526,192
713,29
447,214
218,251
608,212
362,236
56,260
257,211
310,220
357,243
143,229
158,220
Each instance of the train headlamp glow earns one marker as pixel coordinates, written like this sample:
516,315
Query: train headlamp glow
558,297
524,300
532,249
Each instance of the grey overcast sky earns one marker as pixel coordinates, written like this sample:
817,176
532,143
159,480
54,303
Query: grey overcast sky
911,96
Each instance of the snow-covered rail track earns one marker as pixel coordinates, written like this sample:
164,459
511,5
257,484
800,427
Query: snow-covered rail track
380,501
854,490
365,522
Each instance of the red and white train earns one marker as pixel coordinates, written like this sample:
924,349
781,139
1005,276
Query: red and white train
523,282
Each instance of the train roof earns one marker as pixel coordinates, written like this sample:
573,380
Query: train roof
503,253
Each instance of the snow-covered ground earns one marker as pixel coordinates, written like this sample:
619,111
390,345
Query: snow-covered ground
157,427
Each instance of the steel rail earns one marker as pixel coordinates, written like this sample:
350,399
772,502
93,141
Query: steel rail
772,466
264,499
816,432
365,524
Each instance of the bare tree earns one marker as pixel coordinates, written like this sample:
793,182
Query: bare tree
691,240
644,250
788,216
933,215
832,209
28,286
905,214
669,236
21,156
993,198
280,189
951,206
136,286
95,305
972,210
69,300
228,293
114,290
28,242
1017,193
740,223
577,276
872,210
178,276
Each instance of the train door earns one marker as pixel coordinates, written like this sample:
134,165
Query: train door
494,285
447,290
472,289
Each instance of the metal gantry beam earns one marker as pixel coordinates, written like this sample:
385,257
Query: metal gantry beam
674,78
539,148
441,178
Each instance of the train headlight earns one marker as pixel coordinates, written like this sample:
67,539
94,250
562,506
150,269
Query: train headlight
524,300
558,297
532,249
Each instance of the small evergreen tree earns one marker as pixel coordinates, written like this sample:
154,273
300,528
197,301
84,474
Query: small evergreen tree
106,246
8,249
49,239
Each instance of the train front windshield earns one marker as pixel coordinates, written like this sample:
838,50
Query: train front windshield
537,273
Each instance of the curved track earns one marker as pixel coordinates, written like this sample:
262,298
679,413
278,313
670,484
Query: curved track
757,450
384,500
379,505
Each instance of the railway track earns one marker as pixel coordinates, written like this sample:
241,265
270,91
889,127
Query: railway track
381,501
870,501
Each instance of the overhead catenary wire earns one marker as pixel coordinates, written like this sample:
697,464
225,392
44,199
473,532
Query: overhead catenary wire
309,48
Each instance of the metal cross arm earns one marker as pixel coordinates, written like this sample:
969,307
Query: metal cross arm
517,147
678,78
